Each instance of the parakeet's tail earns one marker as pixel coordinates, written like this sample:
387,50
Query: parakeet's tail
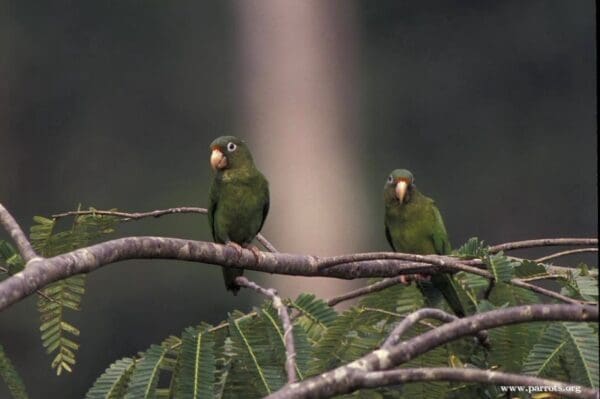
445,283
448,288
229,276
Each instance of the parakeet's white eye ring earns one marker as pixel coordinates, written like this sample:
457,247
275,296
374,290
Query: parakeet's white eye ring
390,179
231,147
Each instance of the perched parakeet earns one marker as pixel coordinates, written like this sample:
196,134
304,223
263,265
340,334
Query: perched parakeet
413,224
238,198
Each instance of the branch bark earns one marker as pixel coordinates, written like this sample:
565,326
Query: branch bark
341,380
401,376
565,253
288,335
542,242
41,271
14,230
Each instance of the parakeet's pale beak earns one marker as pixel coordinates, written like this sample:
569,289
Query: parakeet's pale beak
218,160
401,187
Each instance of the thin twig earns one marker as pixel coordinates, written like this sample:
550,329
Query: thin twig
265,243
542,242
520,283
288,335
565,253
14,230
128,216
134,215
426,313
401,376
378,286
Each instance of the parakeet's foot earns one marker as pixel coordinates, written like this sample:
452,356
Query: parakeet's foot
255,250
421,277
404,280
237,247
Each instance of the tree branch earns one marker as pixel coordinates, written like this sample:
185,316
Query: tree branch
128,216
14,230
378,286
393,377
288,335
426,313
543,242
340,380
565,253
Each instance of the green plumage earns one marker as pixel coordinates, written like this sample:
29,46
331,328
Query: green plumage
238,199
415,225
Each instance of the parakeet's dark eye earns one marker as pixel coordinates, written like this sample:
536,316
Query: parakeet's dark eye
231,147
390,179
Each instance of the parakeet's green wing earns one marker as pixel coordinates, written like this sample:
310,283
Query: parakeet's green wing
388,236
439,236
212,207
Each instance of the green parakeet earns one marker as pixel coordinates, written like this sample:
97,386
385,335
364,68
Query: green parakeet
238,198
413,224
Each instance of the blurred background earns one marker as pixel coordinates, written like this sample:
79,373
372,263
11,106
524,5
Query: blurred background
110,104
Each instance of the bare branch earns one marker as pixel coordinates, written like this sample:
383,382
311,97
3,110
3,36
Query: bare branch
565,253
520,283
134,215
282,312
40,271
341,380
378,286
265,243
426,313
40,293
128,216
543,242
401,376
14,230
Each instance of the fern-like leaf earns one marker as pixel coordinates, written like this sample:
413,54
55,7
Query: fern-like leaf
500,266
58,335
546,351
112,384
256,359
196,374
315,317
144,378
583,353
11,258
473,248
11,377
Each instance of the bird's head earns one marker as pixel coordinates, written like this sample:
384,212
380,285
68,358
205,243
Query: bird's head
399,185
229,152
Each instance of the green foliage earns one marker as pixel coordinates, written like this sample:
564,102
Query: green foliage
196,364
11,377
12,259
473,248
315,315
58,335
582,353
112,384
500,266
144,378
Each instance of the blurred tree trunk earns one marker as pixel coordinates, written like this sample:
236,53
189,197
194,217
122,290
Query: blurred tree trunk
299,107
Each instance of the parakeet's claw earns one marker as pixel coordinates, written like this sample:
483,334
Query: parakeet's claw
237,247
256,251
404,280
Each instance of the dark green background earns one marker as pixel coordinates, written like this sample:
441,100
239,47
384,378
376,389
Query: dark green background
113,104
